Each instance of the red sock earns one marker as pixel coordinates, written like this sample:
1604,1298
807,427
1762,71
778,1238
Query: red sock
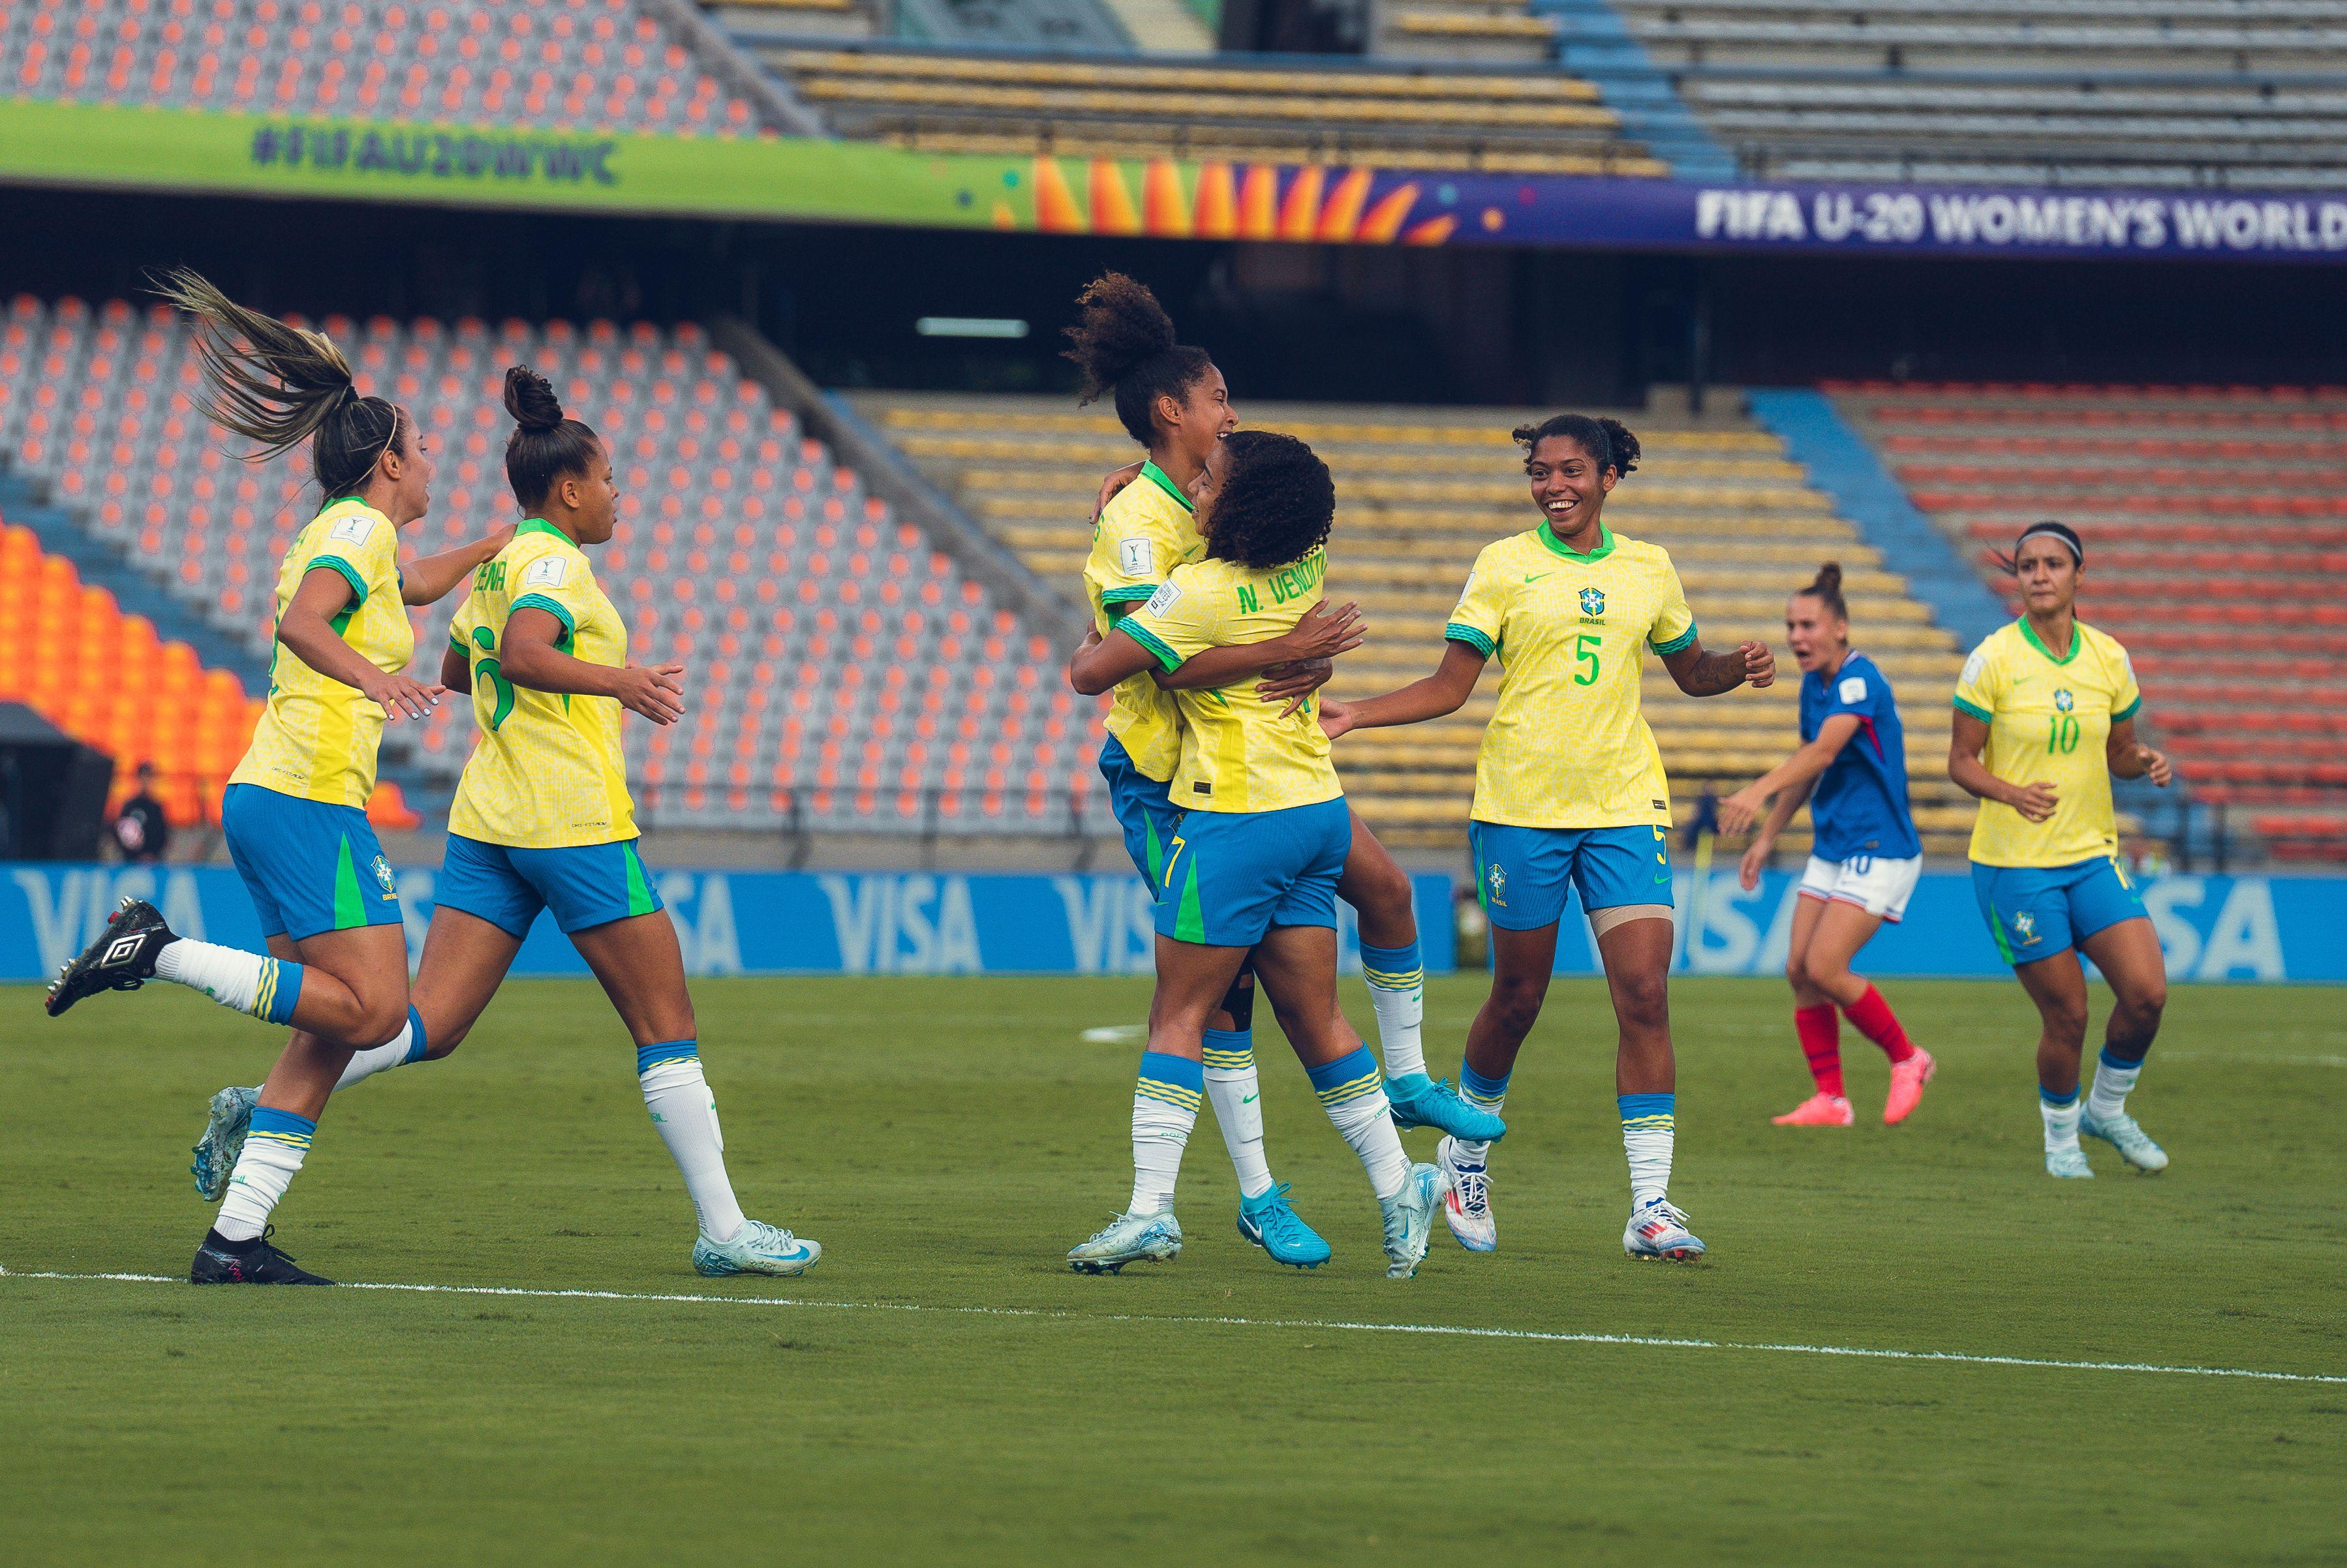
1820,1031
1875,1020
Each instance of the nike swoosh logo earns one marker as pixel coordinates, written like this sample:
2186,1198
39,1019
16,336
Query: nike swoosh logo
1534,576
1250,1099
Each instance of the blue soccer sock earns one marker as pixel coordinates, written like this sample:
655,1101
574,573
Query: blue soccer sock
2061,1114
684,1112
1236,1089
251,983
1164,1108
1490,1093
1649,1128
274,1149
1397,995
1355,1099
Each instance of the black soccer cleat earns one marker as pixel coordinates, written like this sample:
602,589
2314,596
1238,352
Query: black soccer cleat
220,1262
121,959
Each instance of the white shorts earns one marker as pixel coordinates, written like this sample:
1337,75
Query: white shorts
1879,887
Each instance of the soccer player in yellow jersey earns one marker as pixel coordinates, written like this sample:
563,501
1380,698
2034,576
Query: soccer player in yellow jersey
1569,793
1175,402
295,812
2045,719
1253,864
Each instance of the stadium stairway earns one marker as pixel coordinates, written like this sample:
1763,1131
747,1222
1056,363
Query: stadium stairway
1420,490
1593,43
2254,716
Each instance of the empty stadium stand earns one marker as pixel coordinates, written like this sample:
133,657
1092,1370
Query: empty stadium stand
1262,110
1504,30
2215,522
845,673
569,64
1420,491
2192,92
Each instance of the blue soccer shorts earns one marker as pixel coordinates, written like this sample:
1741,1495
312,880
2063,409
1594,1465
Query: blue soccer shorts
2037,912
1521,874
1231,875
584,886
310,865
1144,808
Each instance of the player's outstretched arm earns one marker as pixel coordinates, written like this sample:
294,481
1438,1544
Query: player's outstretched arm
1701,674
1323,632
2131,759
1101,662
1801,769
1764,843
529,656
1444,691
433,578
1968,740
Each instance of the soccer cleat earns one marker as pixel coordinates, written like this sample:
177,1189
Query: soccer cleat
223,1140
1268,1221
1467,1206
255,1263
1657,1229
759,1248
2122,1133
1128,1238
2069,1161
1819,1111
1907,1081
1410,1219
1418,1101
121,959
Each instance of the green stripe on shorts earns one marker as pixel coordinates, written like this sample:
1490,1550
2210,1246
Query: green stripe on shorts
639,890
349,907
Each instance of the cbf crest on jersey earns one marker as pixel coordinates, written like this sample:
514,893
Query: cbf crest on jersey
2063,701
1593,601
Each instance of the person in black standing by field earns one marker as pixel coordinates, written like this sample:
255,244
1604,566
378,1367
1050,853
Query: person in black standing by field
140,829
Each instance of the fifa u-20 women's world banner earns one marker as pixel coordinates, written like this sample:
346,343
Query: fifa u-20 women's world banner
943,922
850,182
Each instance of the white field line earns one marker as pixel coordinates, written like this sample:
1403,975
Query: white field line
1538,1336
2252,1059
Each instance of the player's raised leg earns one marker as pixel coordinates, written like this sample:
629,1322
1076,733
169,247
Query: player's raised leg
2128,955
1842,930
1816,1024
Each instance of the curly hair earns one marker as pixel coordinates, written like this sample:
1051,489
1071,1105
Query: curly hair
1123,343
1275,502
1608,442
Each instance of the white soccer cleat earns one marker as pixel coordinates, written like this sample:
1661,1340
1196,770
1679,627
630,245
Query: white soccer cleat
1657,1229
231,1118
1128,1238
2122,1133
759,1248
2070,1161
1410,1219
1467,1207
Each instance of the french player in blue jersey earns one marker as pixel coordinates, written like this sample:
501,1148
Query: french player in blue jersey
1864,856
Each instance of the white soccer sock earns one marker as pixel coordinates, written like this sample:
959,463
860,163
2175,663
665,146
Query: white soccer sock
1356,1101
1489,1093
250,983
2113,1080
1397,995
403,1048
685,1112
1236,1092
1649,1130
1164,1109
2061,1121
273,1151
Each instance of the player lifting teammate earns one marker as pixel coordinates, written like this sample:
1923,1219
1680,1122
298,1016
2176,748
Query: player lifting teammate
1570,794
2045,720
1864,856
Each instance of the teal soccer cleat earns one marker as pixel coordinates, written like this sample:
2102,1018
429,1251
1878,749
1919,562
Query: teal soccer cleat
1410,1219
223,1140
1418,1101
2070,1162
1268,1221
2122,1133
1129,1238
760,1249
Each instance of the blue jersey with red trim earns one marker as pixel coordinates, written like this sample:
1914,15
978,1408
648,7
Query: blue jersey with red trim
1860,803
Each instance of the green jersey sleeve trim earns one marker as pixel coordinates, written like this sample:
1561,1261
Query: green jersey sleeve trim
560,613
1152,641
1455,632
2127,712
1132,594
351,575
1684,640
456,644
1982,714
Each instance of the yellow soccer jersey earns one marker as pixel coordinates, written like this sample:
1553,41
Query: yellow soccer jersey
2048,720
1144,533
546,772
1568,746
1237,752
317,737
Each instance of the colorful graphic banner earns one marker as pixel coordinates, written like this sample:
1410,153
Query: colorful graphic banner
846,182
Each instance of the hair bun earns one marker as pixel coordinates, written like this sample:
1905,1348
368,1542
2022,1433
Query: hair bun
1828,578
530,399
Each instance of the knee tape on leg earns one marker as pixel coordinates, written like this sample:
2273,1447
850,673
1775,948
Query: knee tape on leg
1239,1002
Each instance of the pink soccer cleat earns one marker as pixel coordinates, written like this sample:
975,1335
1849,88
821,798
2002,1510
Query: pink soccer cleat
1907,1081
1819,1111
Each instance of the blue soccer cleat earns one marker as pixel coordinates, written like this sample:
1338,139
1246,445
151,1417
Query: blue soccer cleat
1268,1221
1410,1219
1128,1238
2122,1133
1418,1101
760,1249
224,1140
1657,1229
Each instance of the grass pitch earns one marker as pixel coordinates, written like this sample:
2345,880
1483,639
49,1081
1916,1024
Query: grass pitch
949,1392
